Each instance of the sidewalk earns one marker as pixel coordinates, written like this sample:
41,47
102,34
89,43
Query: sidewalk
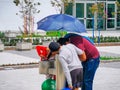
110,51
30,79
17,57
106,78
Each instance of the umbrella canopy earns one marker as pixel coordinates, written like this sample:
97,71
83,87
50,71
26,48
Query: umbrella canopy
69,35
61,22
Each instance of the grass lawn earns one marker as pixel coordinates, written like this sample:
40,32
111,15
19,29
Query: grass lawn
109,58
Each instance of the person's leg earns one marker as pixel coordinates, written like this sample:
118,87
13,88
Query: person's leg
89,69
76,78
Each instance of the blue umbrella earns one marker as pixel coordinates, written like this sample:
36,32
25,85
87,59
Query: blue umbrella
73,34
61,22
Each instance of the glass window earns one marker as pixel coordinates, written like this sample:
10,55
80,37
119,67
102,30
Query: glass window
100,23
81,20
118,18
110,23
111,10
68,9
118,22
89,13
80,10
89,23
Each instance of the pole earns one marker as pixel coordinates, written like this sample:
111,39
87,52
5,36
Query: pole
62,7
99,30
93,29
95,17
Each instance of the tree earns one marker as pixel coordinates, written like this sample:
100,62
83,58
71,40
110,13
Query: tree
62,5
99,9
2,35
98,12
28,8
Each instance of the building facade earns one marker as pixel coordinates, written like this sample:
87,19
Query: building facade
109,20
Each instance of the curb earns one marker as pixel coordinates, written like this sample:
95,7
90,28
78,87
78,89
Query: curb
36,65
20,66
108,61
108,44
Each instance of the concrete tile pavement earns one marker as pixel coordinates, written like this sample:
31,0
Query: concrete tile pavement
112,51
21,79
9,58
109,49
30,79
17,57
106,78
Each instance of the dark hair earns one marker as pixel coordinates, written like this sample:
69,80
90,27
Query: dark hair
62,41
53,46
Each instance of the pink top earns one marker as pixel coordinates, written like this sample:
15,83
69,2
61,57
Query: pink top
82,43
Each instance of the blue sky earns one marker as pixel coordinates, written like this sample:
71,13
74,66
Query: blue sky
10,21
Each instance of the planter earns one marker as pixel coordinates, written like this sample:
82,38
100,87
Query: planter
1,47
46,43
9,47
24,46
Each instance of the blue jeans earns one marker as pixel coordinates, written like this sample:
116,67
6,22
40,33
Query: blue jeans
89,68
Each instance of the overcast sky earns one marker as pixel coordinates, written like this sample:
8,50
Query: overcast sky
10,21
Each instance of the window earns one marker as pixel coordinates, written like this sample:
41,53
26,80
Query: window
68,9
89,13
80,10
89,23
110,23
118,22
111,10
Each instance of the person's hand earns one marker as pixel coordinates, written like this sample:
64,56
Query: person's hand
48,76
70,86
43,57
82,57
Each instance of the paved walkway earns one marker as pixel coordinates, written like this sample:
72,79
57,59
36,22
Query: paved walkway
30,79
107,78
112,51
16,57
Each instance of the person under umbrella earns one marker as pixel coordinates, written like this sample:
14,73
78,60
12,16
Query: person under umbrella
68,57
92,55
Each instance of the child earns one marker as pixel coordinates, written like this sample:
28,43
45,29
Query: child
68,57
